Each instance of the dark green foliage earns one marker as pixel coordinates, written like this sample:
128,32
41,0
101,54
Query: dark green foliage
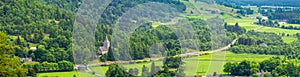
235,28
245,68
66,4
49,67
117,71
173,62
33,21
276,66
245,11
284,14
298,35
265,43
113,12
145,71
270,65
133,72
65,66
256,38
145,36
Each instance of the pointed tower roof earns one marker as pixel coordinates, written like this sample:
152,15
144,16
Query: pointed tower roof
106,38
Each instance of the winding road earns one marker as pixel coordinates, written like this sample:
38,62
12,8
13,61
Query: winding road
160,58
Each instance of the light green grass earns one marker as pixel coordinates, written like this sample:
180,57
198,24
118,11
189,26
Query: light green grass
289,39
278,30
66,74
204,62
246,23
99,69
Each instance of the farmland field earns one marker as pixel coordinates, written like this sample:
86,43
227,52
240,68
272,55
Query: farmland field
202,63
246,23
205,61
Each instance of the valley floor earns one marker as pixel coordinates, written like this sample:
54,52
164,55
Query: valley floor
201,65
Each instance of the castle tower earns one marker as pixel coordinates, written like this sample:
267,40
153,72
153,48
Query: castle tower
106,42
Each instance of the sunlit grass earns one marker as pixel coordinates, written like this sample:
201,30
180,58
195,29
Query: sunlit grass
246,23
278,30
205,62
289,39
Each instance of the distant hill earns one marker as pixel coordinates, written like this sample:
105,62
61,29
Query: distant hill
293,3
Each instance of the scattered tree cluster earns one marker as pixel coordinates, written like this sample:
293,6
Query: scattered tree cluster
48,67
265,43
276,66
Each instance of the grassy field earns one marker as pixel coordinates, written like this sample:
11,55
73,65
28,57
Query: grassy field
246,23
202,63
289,39
278,30
206,62
66,74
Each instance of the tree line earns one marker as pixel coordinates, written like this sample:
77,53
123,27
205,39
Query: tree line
287,14
153,71
273,67
266,43
33,69
275,23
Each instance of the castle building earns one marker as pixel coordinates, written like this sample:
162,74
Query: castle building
104,49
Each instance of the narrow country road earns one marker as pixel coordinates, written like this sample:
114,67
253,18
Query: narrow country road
160,58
